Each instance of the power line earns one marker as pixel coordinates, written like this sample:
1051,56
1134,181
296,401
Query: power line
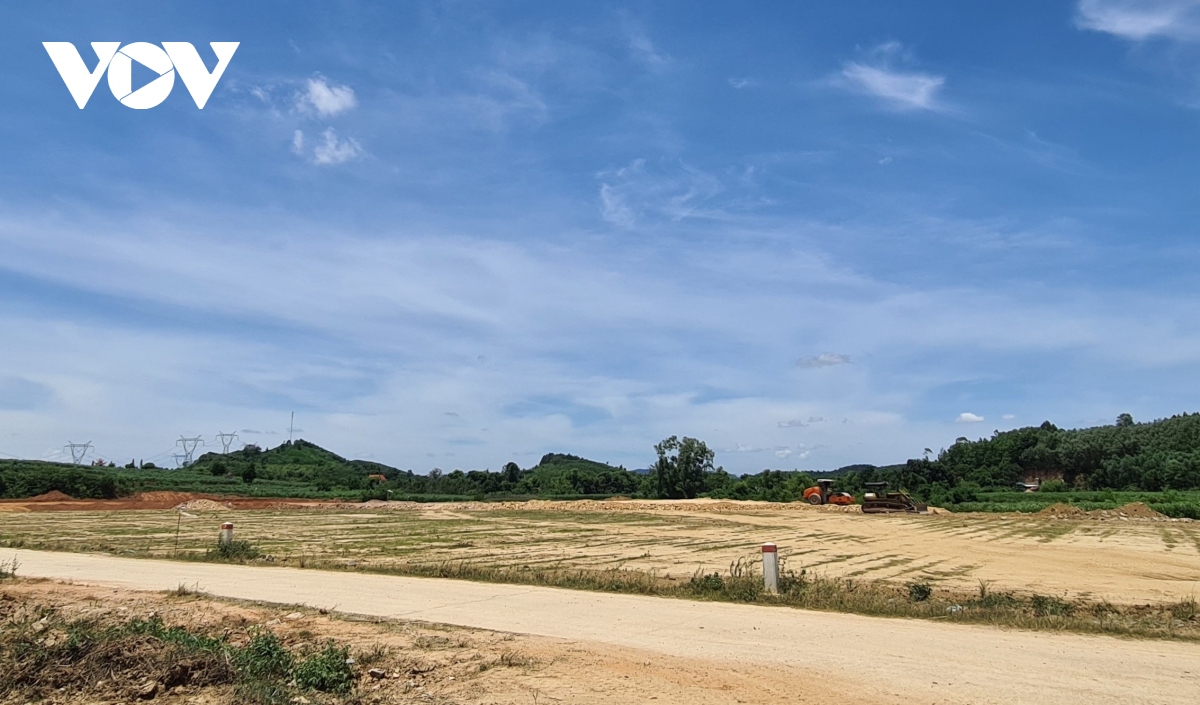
226,440
78,450
189,447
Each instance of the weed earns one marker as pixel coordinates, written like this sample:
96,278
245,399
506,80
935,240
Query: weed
264,657
234,552
8,569
328,670
1050,606
516,659
920,591
376,654
709,583
1185,610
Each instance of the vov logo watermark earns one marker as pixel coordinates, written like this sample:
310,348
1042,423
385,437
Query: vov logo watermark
117,60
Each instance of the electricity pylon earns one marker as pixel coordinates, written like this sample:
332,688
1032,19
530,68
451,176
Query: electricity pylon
78,450
189,447
226,440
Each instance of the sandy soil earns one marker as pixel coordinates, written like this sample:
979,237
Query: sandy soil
1126,560
622,648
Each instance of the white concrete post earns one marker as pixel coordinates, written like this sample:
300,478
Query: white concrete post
770,567
226,534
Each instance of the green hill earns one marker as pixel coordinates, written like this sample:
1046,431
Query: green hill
295,462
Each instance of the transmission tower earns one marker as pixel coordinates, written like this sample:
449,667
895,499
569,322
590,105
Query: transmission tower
179,457
226,440
189,447
78,450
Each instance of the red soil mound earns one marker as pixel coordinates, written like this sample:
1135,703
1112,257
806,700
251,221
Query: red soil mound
1058,509
51,496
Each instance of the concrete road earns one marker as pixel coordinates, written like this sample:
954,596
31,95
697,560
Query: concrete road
870,659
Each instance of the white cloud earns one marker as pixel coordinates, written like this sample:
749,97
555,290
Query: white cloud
740,82
900,89
298,142
825,359
968,417
794,423
336,151
789,452
1009,417
1139,20
325,99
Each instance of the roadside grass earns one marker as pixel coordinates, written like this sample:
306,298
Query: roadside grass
43,654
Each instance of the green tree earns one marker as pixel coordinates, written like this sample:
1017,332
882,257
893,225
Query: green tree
1124,420
512,472
681,467
249,474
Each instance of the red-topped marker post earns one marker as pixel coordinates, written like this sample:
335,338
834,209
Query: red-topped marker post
226,536
770,567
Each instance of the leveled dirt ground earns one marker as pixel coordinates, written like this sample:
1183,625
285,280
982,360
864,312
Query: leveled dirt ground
1123,559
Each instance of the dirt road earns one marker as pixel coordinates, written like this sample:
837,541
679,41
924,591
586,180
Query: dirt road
872,660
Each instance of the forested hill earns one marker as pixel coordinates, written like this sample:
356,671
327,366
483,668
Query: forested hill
1159,455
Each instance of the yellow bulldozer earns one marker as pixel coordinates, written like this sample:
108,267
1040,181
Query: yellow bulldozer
878,500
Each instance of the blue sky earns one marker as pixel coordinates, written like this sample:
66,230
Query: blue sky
460,233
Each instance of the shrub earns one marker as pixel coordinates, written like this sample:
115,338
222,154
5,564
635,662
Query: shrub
1053,486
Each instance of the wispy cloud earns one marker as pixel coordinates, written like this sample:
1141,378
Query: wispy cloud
1139,20
825,359
968,417
674,190
325,99
642,49
333,150
897,88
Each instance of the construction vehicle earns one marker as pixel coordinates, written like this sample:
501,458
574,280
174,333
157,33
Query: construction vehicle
823,494
878,500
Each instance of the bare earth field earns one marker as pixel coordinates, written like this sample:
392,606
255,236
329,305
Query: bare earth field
1123,560
605,648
